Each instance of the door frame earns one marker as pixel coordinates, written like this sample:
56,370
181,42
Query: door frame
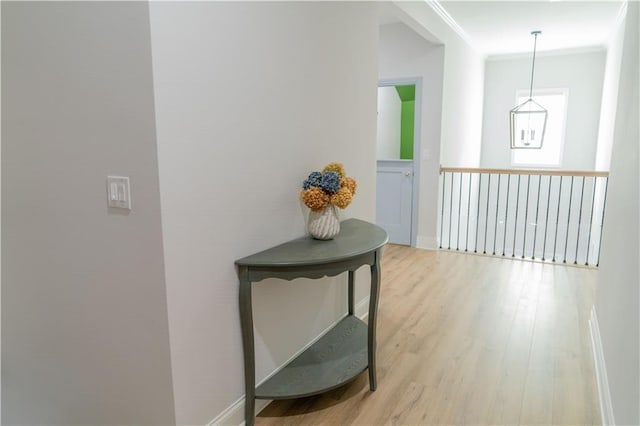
417,127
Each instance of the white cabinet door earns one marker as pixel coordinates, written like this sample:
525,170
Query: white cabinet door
394,199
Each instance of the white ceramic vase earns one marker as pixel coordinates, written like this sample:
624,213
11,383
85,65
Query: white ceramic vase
324,224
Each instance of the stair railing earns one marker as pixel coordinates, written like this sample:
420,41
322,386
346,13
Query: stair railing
545,215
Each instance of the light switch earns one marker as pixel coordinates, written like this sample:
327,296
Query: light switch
118,192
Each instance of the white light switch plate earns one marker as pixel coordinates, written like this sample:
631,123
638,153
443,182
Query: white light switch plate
118,192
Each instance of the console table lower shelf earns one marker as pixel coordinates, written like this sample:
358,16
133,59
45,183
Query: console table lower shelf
335,359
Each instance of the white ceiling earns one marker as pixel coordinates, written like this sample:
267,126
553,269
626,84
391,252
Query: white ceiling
504,27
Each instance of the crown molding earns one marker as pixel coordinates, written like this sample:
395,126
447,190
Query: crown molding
620,19
547,53
448,19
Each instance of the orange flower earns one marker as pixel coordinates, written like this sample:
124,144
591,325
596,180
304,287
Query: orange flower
350,183
314,198
335,167
342,198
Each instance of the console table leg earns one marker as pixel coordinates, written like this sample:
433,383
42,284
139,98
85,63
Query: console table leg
351,292
373,312
246,323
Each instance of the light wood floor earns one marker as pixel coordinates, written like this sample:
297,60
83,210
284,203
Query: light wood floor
466,339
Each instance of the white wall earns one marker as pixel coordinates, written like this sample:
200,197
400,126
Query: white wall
250,97
85,336
581,73
609,98
462,106
616,302
462,85
456,91
405,54
388,126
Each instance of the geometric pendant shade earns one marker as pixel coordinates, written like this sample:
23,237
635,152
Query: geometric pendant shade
528,124
528,121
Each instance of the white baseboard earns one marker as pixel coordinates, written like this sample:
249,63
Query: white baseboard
606,409
423,242
362,308
234,414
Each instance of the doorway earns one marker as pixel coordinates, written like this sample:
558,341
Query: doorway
397,148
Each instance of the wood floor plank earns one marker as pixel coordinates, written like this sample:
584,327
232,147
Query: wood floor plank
507,402
538,394
492,329
470,340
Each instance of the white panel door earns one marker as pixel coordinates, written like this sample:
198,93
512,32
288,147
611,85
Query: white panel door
394,198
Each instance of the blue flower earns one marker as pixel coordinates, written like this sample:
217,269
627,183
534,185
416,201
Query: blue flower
330,182
314,179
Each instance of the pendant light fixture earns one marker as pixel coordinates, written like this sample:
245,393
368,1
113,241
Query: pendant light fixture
529,119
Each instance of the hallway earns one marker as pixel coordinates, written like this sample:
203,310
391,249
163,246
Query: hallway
466,339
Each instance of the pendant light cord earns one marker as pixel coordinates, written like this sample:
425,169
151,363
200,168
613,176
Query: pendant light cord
533,63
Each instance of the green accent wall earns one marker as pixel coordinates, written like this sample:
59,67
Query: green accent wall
406,130
406,93
407,117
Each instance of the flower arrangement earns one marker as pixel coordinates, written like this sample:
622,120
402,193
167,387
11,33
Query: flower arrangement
331,186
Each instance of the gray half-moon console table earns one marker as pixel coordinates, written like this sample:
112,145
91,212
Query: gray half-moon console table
349,347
